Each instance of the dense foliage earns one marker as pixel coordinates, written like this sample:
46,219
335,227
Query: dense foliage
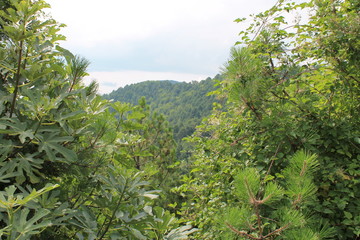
183,104
70,167
278,159
290,87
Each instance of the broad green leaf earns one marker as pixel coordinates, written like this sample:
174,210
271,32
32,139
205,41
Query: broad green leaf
52,145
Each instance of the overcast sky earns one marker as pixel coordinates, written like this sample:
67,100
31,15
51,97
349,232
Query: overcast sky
129,41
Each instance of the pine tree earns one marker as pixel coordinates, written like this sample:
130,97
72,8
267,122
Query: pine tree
270,208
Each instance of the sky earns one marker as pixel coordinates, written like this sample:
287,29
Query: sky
129,41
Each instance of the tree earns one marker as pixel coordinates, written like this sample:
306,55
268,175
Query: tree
182,104
61,165
269,208
289,87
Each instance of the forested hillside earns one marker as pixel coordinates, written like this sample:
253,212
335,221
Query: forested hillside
277,159
183,104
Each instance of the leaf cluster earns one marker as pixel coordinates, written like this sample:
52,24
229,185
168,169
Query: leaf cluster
57,133
290,86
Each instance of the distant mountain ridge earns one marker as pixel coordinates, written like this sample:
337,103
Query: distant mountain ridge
183,104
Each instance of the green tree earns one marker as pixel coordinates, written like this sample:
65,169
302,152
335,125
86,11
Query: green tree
290,86
61,148
183,104
271,209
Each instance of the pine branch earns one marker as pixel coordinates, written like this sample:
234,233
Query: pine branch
277,231
241,233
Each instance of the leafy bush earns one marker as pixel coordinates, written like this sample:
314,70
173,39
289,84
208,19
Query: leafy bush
69,166
290,86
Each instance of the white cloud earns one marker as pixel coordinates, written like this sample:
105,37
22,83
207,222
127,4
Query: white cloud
92,22
190,37
96,24
109,81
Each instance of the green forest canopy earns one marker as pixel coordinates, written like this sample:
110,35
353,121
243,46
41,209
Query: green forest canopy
183,104
279,159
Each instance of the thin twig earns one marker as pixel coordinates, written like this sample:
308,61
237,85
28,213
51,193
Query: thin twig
277,231
241,233
272,161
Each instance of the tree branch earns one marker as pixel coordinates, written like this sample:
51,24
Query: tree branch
17,78
241,233
277,231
